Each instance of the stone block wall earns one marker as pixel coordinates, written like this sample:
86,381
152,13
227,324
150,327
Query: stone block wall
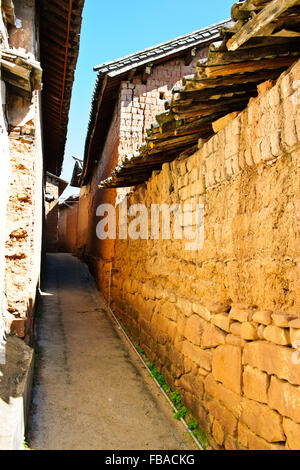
4,176
223,323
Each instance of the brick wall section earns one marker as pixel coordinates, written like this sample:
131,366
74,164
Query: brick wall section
135,111
220,322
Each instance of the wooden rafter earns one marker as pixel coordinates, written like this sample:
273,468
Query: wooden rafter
256,25
220,88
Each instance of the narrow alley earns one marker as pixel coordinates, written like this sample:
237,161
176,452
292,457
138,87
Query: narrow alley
91,391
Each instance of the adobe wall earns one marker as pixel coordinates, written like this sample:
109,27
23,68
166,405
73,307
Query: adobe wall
24,187
24,219
137,106
220,322
4,176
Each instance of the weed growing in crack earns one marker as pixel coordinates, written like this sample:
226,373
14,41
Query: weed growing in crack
26,445
182,412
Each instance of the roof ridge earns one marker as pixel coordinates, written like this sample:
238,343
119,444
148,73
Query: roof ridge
163,44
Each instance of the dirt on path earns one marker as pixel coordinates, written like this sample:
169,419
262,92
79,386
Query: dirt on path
91,391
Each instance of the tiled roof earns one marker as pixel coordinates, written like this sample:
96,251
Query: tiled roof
162,50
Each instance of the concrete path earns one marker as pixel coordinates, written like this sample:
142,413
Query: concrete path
92,392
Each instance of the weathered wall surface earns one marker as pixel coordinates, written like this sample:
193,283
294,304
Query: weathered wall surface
4,176
51,213
137,106
24,186
21,197
24,219
220,322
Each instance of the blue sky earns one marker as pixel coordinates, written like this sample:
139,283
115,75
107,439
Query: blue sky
115,28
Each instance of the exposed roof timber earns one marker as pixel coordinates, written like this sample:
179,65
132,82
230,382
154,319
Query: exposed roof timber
222,85
190,55
146,73
112,73
256,26
77,172
20,70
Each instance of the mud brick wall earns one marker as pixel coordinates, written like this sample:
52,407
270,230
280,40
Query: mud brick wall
220,322
135,111
4,175
24,213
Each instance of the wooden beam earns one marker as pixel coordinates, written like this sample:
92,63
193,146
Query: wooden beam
254,53
244,78
212,93
190,55
9,10
253,27
181,131
249,66
203,108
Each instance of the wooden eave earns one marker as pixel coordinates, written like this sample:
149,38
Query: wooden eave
222,85
109,80
60,24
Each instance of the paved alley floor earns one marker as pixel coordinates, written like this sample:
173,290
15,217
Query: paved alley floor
91,390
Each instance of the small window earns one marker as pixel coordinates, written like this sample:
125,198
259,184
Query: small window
162,95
